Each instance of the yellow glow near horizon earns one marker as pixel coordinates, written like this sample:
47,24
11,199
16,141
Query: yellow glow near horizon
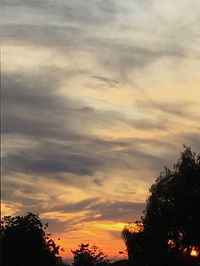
99,234
111,226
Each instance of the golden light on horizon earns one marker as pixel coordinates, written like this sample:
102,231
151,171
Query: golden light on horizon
111,226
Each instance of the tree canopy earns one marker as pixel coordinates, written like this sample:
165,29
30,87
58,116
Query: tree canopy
25,243
89,256
168,232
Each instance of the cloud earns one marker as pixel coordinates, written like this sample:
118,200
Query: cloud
98,210
82,139
32,106
54,162
50,157
118,211
177,109
112,54
83,28
191,139
61,132
90,12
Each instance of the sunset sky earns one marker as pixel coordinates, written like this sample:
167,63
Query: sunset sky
98,96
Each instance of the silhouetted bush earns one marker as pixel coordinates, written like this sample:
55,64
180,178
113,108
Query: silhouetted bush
89,256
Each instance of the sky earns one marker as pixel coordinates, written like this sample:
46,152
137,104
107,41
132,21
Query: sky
97,97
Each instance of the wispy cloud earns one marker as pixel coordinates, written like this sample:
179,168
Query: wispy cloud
98,96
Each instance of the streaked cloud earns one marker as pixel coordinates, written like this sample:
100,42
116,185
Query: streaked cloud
98,96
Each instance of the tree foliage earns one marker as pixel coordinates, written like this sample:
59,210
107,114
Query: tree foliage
169,231
25,243
89,256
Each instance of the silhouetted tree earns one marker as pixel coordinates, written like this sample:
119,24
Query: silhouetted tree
89,256
169,231
25,243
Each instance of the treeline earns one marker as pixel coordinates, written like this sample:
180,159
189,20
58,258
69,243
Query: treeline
168,234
